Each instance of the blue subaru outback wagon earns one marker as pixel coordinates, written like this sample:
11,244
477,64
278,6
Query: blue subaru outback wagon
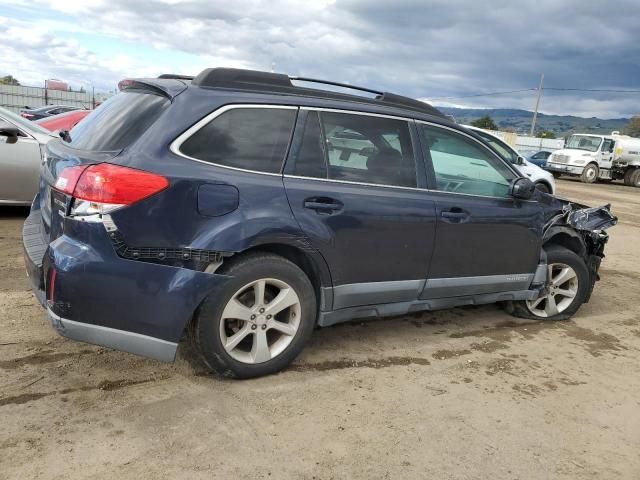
241,210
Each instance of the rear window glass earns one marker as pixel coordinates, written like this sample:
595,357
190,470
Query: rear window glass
248,138
118,122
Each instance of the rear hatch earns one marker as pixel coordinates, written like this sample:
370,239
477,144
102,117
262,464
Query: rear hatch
100,138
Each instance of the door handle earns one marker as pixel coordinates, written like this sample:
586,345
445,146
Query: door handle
455,215
323,205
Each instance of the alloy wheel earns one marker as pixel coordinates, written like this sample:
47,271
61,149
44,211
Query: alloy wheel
563,288
260,321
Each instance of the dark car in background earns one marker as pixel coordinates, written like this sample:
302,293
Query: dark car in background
46,111
539,158
245,211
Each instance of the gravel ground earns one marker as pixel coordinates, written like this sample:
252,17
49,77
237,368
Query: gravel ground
463,393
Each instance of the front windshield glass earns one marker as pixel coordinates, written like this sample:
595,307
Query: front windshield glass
584,142
22,123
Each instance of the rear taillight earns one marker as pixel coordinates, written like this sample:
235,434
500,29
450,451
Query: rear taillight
52,286
26,115
68,178
104,187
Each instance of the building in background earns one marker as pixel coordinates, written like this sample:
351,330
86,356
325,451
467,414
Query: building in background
54,84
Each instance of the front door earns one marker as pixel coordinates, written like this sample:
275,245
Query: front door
353,184
20,167
486,241
606,157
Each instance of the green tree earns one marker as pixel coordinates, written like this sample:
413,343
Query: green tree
545,134
633,127
485,122
9,80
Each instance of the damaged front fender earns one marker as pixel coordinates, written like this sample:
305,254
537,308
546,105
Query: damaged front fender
580,228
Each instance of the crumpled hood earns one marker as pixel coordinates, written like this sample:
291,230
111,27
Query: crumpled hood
579,216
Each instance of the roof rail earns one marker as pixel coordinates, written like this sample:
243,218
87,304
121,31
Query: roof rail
343,85
278,82
170,76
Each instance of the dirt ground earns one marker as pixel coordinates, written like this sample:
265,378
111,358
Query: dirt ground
466,393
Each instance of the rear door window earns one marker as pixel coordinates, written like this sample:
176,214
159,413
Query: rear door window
247,138
357,148
118,122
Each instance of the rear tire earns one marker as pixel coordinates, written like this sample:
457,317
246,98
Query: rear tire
569,287
259,321
627,176
635,178
590,173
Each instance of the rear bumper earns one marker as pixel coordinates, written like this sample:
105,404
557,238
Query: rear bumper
117,339
34,247
101,298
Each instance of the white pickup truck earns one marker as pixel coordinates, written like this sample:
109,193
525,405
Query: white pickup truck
598,157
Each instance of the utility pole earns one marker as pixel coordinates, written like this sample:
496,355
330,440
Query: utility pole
535,113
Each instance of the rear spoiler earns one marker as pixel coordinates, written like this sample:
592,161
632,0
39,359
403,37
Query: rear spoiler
169,88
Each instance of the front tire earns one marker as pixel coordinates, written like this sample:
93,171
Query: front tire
635,178
590,173
260,320
568,288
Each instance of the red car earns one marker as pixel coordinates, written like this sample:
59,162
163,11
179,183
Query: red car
63,121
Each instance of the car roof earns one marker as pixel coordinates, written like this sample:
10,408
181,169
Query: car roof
267,84
48,107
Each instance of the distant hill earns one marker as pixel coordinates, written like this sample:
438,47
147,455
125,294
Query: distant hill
520,120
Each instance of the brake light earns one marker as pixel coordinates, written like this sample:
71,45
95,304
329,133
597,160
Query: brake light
68,178
104,187
26,115
107,183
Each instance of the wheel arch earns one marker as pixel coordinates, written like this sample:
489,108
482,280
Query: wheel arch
306,258
546,184
565,237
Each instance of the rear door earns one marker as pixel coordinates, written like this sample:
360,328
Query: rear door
356,190
486,241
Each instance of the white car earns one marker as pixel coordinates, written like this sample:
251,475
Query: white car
21,153
543,180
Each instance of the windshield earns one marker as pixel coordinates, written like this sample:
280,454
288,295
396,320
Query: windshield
118,122
502,148
584,142
22,123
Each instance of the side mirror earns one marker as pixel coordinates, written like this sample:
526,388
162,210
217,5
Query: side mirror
612,147
10,131
522,188
520,160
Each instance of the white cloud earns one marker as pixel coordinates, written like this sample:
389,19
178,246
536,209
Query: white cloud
434,49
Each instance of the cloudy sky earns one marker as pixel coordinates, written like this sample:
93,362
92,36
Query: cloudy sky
447,51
